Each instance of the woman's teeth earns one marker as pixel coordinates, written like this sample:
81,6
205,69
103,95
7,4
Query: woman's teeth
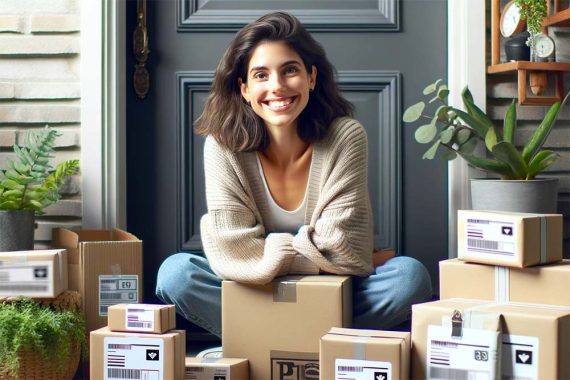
276,104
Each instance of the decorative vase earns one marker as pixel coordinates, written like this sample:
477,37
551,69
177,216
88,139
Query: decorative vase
532,196
16,230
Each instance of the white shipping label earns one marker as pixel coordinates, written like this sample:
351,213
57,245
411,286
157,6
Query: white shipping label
25,278
472,356
133,358
489,238
362,370
117,289
139,318
207,371
520,357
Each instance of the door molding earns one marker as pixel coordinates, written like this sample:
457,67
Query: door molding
381,86
466,35
103,184
220,15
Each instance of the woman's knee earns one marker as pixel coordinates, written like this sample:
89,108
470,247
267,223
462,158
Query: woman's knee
416,274
174,274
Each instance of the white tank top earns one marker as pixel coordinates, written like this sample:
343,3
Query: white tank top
283,220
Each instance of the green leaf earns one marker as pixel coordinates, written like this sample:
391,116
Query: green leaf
541,133
414,112
541,161
490,139
442,92
441,113
426,133
12,185
430,153
9,205
13,193
463,135
430,88
473,110
478,127
449,155
487,164
447,134
507,153
510,123
468,147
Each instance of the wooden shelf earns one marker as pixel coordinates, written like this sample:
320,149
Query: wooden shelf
561,18
509,67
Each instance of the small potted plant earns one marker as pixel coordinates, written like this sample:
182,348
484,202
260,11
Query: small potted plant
533,12
458,132
28,186
39,340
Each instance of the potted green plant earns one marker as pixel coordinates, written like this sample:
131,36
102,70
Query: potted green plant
533,12
37,339
28,186
458,132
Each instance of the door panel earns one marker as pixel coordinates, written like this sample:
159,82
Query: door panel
379,72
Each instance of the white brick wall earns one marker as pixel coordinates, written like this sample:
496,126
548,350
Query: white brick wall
40,84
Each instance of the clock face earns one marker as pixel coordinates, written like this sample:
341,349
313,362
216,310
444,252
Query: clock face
511,21
543,45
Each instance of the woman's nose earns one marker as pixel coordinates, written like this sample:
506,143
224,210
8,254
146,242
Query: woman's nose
277,82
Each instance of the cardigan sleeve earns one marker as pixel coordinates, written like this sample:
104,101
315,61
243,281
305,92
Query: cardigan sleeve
233,238
339,238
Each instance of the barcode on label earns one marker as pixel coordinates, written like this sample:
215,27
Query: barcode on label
115,346
349,368
23,288
123,373
144,325
448,373
194,369
478,221
114,296
484,244
442,343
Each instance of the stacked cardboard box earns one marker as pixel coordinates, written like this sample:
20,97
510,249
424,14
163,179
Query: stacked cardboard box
157,353
507,281
278,326
105,267
216,368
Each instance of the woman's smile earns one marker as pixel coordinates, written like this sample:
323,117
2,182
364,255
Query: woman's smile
278,105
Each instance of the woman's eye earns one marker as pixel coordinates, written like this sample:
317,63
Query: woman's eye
291,70
259,75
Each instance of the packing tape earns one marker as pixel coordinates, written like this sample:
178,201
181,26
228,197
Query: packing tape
116,269
60,256
209,360
285,291
543,228
502,291
359,348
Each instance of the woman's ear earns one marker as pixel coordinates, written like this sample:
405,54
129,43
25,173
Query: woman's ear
244,90
313,77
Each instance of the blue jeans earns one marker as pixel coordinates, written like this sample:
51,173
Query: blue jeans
381,301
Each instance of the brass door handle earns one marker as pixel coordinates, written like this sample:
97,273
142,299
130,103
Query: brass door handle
141,79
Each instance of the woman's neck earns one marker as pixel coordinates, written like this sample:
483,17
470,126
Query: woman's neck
285,147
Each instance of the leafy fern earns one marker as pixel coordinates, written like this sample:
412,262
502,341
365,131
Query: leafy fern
29,183
25,324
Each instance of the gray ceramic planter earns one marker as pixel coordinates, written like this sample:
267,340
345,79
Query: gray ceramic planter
16,230
534,196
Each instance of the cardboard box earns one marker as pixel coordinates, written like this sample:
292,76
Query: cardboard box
370,354
214,369
535,342
137,356
142,318
278,326
35,274
509,239
539,284
442,352
105,267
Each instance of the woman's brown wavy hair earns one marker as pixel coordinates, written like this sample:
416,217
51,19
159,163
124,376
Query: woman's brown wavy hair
233,123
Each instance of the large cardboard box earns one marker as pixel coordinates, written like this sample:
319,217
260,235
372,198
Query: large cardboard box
443,348
278,326
36,274
142,318
122,355
509,239
534,343
216,369
539,284
365,354
105,267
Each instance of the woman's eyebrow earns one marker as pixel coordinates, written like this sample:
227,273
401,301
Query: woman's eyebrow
293,61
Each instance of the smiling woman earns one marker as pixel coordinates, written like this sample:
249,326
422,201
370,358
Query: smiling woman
286,184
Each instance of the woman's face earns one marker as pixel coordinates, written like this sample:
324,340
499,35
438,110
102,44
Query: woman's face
277,84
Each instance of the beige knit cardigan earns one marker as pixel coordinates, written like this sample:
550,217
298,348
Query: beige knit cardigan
336,237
